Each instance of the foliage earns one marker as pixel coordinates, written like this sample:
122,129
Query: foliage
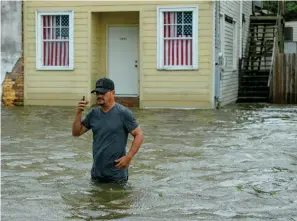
290,8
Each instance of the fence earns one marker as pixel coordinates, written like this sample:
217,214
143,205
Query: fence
283,88
290,47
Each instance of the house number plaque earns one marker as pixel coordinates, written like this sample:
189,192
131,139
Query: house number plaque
123,39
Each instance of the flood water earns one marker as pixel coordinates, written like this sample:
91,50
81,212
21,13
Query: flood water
237,163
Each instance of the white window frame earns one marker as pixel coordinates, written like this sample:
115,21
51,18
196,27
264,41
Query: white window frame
39,47
160,35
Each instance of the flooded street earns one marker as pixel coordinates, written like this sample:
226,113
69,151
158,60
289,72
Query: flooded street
238,163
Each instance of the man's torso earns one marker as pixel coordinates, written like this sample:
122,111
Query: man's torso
109,143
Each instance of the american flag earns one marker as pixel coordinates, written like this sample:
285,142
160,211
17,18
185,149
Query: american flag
178,51
56,40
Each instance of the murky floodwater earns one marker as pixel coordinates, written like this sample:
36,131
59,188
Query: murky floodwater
239,163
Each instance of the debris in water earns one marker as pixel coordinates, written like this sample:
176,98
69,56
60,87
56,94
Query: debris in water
239,187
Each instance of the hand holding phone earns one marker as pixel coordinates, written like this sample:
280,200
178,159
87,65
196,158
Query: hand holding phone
82,104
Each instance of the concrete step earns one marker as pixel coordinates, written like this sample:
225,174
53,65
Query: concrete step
253,99
128,101
253,88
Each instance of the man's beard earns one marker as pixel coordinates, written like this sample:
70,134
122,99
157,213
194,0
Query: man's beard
101,104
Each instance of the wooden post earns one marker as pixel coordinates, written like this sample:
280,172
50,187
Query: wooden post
284,79
277,80
287,73
273,79
295,71
291,79
288,82
280,24
279,85
271,82
283,75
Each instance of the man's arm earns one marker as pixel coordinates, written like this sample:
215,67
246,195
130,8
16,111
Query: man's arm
77,127
123,162
137,141
132,126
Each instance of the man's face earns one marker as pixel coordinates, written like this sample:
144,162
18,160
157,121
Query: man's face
104,98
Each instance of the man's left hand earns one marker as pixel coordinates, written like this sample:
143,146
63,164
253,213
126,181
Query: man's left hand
123,162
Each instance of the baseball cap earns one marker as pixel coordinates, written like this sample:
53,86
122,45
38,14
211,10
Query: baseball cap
103,85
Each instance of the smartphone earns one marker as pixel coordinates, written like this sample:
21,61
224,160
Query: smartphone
83,99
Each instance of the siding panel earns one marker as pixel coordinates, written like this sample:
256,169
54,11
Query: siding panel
175,104
58,84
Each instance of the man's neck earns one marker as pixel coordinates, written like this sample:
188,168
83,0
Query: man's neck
108,107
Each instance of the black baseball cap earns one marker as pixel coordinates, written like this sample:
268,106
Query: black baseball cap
103,85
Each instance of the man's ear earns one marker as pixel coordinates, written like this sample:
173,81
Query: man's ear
113,92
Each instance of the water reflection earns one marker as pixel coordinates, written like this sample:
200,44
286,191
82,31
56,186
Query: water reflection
100,201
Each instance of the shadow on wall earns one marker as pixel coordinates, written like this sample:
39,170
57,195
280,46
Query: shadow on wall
13,86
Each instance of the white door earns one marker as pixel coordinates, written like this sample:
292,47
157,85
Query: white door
123,59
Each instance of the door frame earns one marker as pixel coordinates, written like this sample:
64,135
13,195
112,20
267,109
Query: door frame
138,57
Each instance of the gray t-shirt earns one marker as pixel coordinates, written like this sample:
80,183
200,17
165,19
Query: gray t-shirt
110,134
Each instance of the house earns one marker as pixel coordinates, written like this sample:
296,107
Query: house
160,54
290,37
233,20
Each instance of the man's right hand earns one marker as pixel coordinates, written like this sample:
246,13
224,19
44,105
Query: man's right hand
77,127
82,105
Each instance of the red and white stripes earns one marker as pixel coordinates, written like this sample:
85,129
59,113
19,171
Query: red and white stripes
55,48
177,47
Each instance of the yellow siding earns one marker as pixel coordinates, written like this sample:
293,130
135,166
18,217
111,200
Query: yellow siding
157,88
56,87
95,51
177,88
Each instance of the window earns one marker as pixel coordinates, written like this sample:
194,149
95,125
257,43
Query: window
177,38
54,40
288,33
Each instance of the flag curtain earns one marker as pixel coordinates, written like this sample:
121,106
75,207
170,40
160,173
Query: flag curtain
55,40
178,41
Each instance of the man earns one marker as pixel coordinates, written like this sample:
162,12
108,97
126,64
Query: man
110,123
